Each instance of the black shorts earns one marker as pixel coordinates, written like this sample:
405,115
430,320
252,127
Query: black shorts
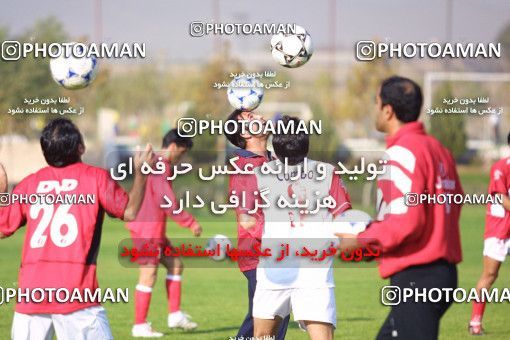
419,320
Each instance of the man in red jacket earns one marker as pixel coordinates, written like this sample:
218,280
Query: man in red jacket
419,242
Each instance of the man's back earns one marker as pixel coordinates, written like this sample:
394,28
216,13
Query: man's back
412,231
63,229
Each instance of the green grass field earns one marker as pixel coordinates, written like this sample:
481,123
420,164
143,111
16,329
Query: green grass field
216,298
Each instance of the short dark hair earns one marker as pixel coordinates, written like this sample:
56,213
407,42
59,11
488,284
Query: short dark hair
235,137
60,142
293,146
404,96
173,136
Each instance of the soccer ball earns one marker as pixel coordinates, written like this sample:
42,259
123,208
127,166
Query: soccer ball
351,222
222,241
245,93
73,73
292,50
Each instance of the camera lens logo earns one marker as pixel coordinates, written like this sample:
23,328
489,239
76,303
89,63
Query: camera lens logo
11,50
390,295
411,199
365,50
197,29
5,199
187,127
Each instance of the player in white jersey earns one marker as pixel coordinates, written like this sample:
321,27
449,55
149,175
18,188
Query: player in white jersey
289,280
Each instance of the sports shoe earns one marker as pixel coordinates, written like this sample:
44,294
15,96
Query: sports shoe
181,320
475,328
144,330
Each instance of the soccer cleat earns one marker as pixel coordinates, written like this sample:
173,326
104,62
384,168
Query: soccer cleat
475,328
144,330
181,320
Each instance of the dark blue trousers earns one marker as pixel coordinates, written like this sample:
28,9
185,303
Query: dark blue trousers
246,329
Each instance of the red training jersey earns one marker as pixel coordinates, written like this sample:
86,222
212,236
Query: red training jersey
497,220
406,233
247,239
62,240
150,222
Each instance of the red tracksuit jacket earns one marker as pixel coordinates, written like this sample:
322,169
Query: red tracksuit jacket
408,234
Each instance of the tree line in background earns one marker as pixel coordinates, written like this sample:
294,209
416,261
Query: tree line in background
147,91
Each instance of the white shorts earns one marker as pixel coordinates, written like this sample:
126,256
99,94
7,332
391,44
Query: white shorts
496,248
310,304
85,324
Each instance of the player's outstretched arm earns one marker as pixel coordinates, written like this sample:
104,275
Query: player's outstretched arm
138,190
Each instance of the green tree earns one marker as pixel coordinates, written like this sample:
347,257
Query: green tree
139,91
504,39
28,77
449,129
361,88
323,147
211,103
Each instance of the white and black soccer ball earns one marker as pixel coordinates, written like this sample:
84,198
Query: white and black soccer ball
221,240
245,93
351,221
73,73
292,50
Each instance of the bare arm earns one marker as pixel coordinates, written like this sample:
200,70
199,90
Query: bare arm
348,241
196,229
3,179
137,192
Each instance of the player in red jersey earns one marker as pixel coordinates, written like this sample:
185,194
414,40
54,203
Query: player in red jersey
419,243
149,227
497,238
252,151
62,240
